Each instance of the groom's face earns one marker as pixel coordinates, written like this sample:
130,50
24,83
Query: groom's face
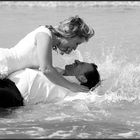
78,68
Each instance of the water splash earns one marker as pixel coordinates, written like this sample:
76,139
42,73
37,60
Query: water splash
122,81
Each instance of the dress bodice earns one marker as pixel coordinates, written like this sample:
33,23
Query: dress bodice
23,54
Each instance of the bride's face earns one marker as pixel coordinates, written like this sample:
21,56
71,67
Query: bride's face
67,45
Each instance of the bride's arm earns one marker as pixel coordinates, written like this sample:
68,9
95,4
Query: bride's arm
60,71
44,50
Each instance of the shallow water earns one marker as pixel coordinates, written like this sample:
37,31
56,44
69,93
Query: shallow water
112,110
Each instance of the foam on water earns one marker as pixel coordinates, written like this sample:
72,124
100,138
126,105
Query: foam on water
70,3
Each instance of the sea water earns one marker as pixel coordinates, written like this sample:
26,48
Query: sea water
112,110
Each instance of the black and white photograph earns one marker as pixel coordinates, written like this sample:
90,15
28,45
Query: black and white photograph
69,69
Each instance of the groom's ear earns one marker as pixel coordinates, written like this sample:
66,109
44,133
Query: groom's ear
82,78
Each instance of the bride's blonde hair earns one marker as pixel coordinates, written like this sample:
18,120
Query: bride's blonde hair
75,26
72,27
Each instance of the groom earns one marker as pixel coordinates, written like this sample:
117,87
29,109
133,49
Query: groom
30,86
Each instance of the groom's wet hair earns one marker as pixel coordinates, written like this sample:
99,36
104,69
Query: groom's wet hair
93,77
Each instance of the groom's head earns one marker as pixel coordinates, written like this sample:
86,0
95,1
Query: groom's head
86,73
